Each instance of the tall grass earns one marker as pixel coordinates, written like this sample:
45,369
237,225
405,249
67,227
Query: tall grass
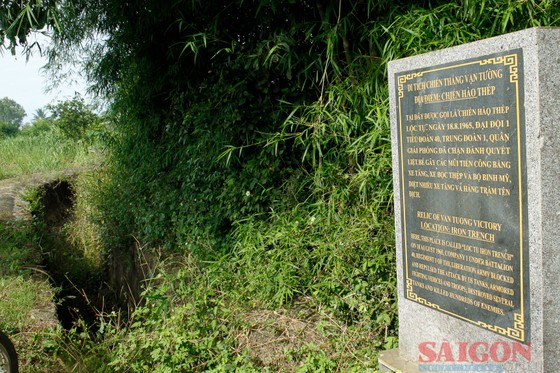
46,151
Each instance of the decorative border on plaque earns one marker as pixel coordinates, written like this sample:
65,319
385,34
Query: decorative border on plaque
410,294
508,60
518,330
405,78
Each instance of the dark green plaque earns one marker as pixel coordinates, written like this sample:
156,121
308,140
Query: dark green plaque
463,191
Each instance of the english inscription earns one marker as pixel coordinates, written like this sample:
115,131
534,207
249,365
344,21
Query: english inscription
463,191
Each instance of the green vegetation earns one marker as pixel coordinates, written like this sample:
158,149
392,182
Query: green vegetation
11,117
23,155
244,211
26,297
16,253
53,143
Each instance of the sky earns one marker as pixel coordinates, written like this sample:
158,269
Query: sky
24,82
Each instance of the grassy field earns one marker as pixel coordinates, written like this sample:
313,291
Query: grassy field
46,151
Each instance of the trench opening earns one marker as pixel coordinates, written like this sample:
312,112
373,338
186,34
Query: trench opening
85,291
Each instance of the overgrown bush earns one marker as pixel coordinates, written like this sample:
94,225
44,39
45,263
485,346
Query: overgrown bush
75,120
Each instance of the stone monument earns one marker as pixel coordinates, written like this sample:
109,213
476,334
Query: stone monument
476,164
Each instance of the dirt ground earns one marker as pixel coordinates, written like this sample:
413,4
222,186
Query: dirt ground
12,204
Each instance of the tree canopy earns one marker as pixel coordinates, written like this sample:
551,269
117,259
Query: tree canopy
73,117
11,116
